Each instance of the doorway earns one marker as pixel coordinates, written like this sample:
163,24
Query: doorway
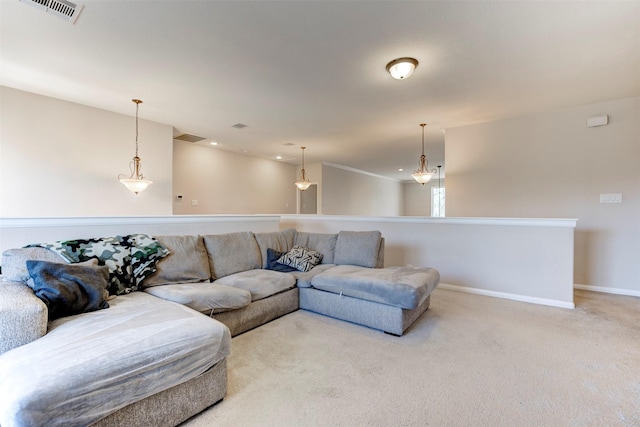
308,200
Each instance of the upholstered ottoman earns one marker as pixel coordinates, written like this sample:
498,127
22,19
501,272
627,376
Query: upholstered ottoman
389,299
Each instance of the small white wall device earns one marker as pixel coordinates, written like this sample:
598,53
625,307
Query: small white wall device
598,121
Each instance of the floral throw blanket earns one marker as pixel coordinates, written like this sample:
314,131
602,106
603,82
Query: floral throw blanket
130,259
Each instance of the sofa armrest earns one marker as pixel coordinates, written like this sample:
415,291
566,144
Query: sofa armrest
23,316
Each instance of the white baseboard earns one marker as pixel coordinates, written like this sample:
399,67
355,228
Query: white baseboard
504,295
606,290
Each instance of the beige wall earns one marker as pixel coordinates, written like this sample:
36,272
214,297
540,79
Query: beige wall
58,158
552,165
350,192
223,182
417,198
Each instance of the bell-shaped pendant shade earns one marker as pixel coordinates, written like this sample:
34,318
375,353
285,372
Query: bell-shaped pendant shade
136,182
423,175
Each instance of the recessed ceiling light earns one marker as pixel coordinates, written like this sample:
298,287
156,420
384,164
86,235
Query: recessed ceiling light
213,143
400,170
244,151
278,157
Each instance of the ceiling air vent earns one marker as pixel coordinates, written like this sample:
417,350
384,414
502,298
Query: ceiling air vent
189,138
61,8
239,126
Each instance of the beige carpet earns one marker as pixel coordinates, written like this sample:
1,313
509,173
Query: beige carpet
469,361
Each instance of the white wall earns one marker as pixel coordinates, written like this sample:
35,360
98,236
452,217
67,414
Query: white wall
350,192
552,165
230,183
58,158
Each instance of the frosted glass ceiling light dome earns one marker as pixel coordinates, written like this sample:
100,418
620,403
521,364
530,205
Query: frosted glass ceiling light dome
303,183
402,68
136,182
423,174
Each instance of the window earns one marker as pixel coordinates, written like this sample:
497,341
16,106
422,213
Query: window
437,201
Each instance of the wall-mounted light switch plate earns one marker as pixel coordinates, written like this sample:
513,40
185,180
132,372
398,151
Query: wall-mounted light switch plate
598,121
611,198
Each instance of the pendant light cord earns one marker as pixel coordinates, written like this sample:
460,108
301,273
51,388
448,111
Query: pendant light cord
138,106
138,102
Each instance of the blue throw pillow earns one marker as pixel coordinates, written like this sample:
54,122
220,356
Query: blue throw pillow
273,264
69,289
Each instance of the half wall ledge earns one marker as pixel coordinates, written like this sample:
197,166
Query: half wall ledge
524,259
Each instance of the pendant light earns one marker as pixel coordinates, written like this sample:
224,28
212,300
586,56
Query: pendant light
136,182
423,174
303,183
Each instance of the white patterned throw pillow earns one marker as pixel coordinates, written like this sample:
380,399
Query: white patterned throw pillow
300,258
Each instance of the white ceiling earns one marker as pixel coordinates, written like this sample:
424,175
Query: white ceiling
313,73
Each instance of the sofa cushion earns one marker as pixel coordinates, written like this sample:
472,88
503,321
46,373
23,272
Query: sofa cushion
405,287
68,289
187,262
281,241
303,278
14,262
303,259
319,242
357,248
232,253
206,297
272,262
261,283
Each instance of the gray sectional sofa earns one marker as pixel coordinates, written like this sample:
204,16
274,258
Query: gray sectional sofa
157,355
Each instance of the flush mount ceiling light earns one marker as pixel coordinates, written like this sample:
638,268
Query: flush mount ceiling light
136,182
423,174
402,68
303,183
